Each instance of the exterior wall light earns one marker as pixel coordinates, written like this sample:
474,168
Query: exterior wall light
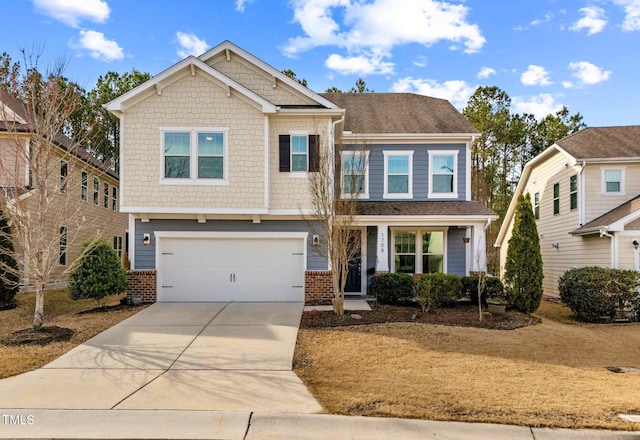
635,244
146,239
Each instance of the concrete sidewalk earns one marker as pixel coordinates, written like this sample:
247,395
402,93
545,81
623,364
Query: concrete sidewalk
227,425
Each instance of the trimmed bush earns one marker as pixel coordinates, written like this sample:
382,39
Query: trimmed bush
595,292
9,279
443,289
492,288
392,288
98,273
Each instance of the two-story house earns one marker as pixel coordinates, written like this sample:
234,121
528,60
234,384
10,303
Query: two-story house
585,194
216,155
82,194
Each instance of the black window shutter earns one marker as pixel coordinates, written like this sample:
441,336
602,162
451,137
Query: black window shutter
285,155
314,145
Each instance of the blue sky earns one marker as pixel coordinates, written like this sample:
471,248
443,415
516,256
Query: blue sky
543,53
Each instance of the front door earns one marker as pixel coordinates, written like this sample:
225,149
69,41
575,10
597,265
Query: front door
354,276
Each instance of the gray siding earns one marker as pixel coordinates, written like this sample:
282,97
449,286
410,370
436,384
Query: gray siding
145,256
456,251
372,252
420,168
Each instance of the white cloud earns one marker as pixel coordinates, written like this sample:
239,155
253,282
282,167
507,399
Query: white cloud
99,47
240,4
190,44
456,91
632,18
420,61
358,65
538,21
71,12
594,20
372,28
535,76
486,72
539,106
588,73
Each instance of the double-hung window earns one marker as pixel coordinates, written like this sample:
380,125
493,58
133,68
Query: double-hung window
398,174
443,174
573,192
556,198
194,155
536,205
432,251
62,251
299,153
405,251
105,202
419,251
64,169
114,199
355,174
84,189
96,190
613,181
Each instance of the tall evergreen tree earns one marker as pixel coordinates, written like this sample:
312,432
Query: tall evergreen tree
9,278
523,268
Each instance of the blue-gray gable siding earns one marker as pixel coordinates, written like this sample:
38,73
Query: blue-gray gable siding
420,168
145,256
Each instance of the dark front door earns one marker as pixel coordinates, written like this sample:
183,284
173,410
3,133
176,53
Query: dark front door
354,276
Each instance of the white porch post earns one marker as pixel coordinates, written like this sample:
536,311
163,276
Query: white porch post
478,249
382,246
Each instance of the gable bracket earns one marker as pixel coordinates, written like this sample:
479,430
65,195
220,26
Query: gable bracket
275,81
228,90
228,54
158,89
193,70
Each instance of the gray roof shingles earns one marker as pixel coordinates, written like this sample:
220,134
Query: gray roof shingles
610,217
415,208
603,142
382,113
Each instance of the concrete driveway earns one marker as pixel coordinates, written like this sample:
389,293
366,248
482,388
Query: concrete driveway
186,356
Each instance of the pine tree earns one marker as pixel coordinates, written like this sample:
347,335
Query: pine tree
99,273
523,268
9,278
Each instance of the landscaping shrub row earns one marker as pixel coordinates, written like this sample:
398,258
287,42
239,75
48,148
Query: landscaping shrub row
593,293
433,290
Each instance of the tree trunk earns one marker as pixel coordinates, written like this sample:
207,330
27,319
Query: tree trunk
338,294
38,315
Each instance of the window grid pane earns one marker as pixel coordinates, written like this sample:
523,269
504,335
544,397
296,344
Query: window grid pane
210,167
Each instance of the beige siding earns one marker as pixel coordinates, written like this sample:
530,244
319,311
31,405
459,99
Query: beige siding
193,101
13,169
598,203
259,82
560,250
287,191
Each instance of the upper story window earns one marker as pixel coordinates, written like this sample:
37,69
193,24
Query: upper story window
84,191
613,181
443,174
355,173
398,174
64,169
194,156
573,191
62,250
556,198
536,205
298,152
114,199
105,201
96,190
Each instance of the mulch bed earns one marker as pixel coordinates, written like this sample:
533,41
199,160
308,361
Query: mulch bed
113,308
461,315
44,336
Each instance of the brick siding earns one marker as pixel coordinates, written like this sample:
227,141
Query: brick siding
143,283
318,285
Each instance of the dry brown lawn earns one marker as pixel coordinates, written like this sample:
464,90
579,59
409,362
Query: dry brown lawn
551,374
59,311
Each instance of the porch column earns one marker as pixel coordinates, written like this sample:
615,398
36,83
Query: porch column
478,249
382,249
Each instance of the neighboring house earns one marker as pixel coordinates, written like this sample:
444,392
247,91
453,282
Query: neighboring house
585,194
216,154
86,191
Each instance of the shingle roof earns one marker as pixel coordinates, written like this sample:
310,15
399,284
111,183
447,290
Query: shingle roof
436,208
610,217
603,142
399,113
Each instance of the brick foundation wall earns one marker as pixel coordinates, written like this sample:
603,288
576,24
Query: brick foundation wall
318,285
143,283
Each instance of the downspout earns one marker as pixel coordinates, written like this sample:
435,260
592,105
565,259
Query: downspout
581,207
604,233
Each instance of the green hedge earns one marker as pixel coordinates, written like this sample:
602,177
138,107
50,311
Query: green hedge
596,292
392,288
492,288
444,289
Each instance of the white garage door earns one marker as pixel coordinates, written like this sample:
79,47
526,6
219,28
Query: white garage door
231,269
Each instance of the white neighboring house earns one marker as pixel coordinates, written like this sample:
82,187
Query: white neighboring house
585,192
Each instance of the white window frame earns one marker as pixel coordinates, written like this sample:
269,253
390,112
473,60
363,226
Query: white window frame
573,193
603,186
365,193
96,191
63,246
114,198
64,176
193,156
439,195
84,186
387,194
298,174
418,253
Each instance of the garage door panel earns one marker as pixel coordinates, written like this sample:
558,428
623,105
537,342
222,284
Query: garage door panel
231,269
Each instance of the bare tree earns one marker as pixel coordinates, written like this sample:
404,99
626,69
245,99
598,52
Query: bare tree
335,188
39,167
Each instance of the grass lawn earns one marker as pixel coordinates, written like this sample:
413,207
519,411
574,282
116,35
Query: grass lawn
59,311
550,374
